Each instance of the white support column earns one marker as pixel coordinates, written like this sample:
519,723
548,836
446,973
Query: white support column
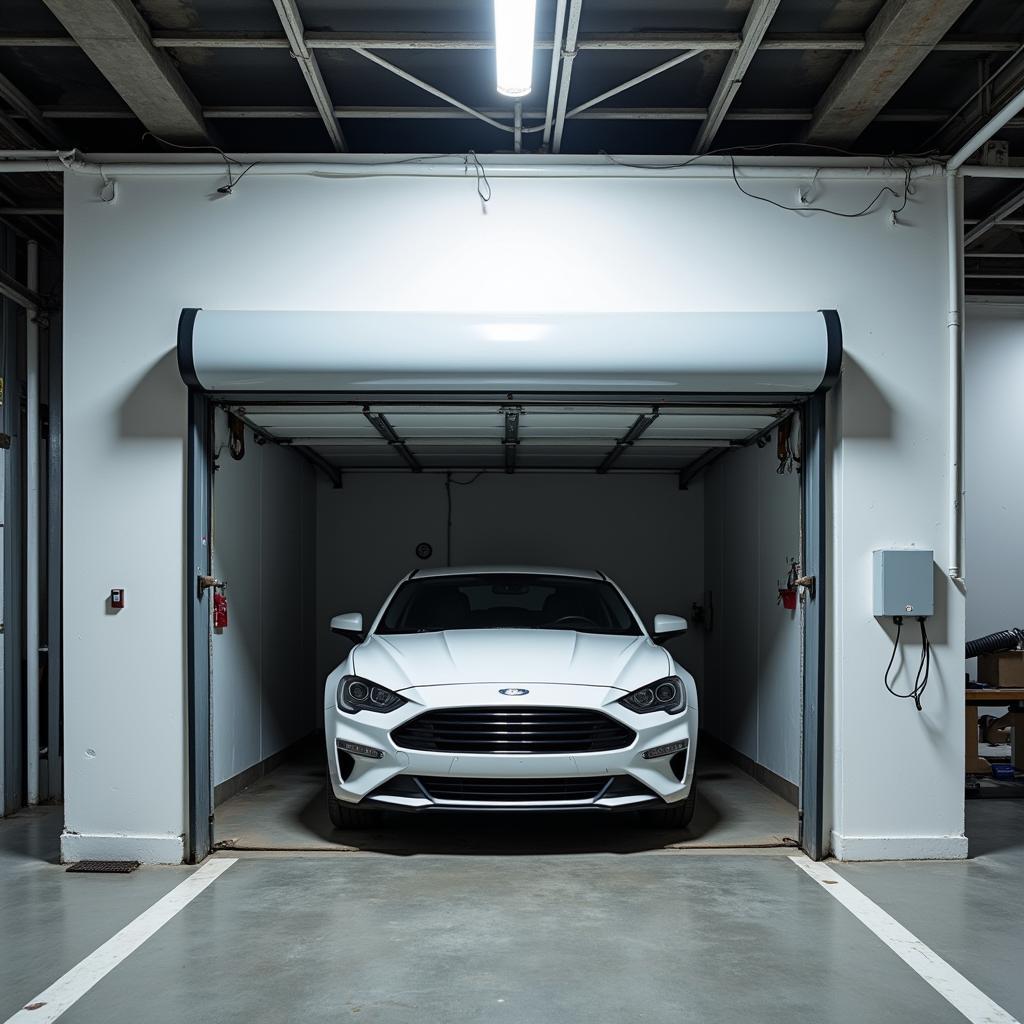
32,530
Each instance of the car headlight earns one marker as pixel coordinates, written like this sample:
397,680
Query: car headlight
357,694
668,694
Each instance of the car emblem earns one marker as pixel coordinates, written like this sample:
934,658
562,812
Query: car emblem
513,692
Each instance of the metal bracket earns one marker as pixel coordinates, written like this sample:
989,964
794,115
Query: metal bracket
205,583
808,582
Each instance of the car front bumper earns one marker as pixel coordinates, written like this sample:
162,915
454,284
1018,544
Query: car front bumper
387,775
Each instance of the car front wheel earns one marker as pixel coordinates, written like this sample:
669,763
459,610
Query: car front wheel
345,816
675,815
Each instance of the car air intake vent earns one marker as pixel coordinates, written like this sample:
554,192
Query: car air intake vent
523,730
508,791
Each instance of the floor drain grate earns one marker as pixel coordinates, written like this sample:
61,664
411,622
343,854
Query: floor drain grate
108,867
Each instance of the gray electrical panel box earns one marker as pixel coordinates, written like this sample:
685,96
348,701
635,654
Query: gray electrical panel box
904,583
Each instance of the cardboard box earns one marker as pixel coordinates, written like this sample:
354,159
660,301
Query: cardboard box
1005,669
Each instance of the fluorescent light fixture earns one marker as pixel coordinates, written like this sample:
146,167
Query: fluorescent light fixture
514,22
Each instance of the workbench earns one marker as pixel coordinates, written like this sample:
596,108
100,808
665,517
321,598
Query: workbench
997,696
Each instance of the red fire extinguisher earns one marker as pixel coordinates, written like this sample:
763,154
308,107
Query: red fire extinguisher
220,610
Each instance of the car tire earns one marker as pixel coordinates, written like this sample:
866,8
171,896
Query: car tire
346,816
677,815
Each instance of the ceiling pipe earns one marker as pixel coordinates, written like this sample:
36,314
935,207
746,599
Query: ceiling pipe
530,166
986,131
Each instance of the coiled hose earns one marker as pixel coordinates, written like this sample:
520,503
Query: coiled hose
1005,640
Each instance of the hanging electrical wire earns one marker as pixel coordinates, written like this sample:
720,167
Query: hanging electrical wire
923,668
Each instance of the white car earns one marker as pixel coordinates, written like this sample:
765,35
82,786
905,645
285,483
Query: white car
509,688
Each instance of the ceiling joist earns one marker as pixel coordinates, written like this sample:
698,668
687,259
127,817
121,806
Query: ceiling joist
452,41
115,38
903,33
291,22
754,29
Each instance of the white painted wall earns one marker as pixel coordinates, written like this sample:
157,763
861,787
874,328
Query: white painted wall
295,242
752,693
263,683
640,529
994,434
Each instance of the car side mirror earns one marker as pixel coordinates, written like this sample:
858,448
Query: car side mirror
349,625
666,627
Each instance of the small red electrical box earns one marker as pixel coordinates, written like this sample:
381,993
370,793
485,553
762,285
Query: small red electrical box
117,598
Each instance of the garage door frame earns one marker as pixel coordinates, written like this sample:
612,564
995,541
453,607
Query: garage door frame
199,839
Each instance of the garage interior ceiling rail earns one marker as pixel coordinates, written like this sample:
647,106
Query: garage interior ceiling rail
444,392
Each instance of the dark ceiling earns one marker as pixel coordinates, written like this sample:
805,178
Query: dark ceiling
868,76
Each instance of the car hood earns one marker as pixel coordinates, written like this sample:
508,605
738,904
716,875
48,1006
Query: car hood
510,656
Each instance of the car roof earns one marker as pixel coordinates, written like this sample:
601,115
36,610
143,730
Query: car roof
537,570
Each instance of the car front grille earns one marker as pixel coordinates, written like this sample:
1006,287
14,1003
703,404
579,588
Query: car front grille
528,730
509,791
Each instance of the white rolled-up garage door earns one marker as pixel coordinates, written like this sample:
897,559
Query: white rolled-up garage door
235,352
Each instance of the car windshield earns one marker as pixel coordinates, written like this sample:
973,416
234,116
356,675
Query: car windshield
507,601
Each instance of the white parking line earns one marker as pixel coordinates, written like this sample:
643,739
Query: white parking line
948,982
66,990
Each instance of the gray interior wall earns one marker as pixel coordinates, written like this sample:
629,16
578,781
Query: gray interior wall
994,436
263,680
640,529
752,697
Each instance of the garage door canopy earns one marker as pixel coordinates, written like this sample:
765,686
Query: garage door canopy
777,356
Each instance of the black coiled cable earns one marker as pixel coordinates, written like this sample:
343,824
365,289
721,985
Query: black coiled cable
1004,640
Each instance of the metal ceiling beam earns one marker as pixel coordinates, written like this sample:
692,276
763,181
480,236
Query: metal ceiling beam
568,55
25,108
636,80
557,35
19,293
1008,206
382,425
754,30
902,34
291,21
457,113
639,427
589,41
510,441
115,38
433,90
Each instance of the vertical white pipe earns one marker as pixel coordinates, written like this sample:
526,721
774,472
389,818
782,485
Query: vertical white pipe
955,341
32,530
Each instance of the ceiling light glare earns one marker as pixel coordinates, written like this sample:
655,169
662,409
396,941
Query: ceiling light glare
514,22
521,331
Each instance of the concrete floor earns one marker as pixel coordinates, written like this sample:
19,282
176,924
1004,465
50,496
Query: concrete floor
649,937
286,810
